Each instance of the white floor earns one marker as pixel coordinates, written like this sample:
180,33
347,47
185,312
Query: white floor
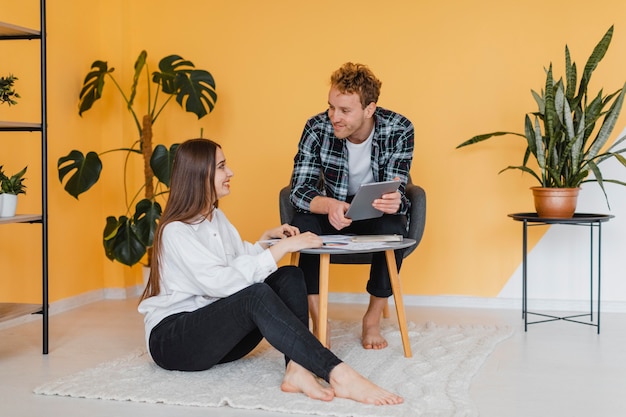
554,369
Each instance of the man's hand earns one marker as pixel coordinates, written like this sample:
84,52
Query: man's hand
389,203
334,209
337,214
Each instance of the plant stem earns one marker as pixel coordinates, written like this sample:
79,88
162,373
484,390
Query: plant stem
146,150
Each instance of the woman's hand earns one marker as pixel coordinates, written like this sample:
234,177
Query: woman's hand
295,243
280,232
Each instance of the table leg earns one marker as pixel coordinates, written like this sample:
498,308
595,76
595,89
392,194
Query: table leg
591,273
599,270
524,274
322,324
397,297
295,258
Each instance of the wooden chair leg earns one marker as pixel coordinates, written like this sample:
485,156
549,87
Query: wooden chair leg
397,297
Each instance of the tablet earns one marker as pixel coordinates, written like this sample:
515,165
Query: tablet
361,206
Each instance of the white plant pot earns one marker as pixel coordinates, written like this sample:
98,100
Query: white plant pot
8,205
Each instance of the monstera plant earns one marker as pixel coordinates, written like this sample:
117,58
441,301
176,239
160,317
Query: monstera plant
127,238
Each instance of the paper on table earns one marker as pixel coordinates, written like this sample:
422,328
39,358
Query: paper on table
347,242
342,242
377,238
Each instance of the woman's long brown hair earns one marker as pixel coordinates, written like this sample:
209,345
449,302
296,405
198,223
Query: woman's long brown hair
192,195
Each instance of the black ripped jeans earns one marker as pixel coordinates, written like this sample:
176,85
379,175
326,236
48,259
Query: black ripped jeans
230,328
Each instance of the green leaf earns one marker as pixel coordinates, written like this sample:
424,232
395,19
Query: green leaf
194,89
139,65
550,113
594,59
596,172
486,136
86,171
577,151
13,184
570,75
538,145
607,126
147,213
92,86
541,104
162,162
171,66
522,168
120,241
199,92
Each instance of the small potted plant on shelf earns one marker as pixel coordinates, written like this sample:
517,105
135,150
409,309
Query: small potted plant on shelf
10,187
563,138
7,91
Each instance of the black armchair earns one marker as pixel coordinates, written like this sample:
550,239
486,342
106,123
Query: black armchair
416,218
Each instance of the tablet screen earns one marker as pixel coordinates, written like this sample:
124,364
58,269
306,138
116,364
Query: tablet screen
361,206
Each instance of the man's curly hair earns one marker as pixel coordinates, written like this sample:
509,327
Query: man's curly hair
357,78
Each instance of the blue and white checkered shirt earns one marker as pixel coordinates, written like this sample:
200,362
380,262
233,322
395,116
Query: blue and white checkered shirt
321,164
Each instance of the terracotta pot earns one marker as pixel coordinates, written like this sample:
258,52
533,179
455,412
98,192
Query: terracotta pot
555,203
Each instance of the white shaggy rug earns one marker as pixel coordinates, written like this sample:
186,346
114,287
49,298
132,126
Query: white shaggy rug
434,382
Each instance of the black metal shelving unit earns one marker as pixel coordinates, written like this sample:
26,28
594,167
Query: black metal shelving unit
10,32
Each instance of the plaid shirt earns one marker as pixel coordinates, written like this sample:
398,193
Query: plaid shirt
321,164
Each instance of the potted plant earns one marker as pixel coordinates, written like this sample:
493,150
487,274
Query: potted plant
7,91
10,187
567,135
128,237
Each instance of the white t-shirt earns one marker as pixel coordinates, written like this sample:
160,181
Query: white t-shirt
359,163
201,263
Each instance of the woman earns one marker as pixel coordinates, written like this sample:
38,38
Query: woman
211,297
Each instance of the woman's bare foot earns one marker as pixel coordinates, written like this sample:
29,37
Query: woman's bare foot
371,338
299,380
347,383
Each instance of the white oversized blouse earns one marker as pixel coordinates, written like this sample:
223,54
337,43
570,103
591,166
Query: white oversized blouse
201,263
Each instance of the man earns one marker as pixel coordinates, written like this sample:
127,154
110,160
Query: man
351,143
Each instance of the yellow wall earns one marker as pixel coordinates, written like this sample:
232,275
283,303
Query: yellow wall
455,68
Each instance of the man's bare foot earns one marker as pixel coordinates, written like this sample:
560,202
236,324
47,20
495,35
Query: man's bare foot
347,383
299,380
371,337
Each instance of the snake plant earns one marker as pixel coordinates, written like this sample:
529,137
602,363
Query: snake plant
568,133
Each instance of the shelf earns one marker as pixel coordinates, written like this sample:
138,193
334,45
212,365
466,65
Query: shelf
19,127
9,31
21,218
10,311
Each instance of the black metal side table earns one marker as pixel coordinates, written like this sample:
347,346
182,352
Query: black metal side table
593,221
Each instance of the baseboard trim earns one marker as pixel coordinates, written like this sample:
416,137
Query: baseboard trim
443,301
453,301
